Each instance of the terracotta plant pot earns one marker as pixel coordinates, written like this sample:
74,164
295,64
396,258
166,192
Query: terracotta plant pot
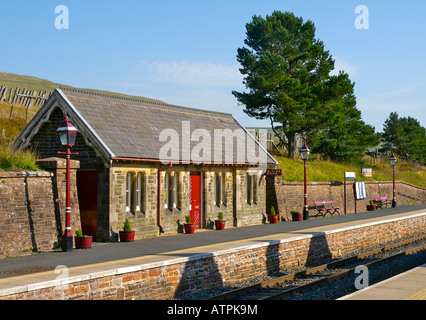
273,218
83,242
189,227
371,207
220,225
127,236
297,216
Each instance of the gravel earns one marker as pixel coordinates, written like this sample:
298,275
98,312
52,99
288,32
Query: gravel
337,288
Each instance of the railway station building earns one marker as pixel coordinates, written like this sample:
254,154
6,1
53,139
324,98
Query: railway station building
153,163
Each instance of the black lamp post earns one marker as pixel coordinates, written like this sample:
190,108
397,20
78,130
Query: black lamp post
392,161
67,134
304,154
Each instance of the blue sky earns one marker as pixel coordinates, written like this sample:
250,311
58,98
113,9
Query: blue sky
184,52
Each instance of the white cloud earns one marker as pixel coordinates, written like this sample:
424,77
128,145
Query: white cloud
190,73
344,65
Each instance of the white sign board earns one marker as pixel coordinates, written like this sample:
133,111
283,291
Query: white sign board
367,172
350,175
360,191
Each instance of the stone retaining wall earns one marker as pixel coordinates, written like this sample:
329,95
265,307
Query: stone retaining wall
286,196
32,208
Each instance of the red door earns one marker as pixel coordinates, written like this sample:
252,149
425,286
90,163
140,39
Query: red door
88,199
195,198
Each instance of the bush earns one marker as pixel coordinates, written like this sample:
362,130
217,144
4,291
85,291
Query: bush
127,226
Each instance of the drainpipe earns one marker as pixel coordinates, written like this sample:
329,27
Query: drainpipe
159,196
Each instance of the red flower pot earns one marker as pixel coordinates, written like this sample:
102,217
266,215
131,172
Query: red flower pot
189,227
127,236
83,242
273,218
220,225
297,216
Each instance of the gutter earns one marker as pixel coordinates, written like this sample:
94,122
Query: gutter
187,162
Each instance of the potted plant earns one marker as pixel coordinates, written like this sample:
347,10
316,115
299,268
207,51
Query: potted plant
296,215
371,206
272,215
127,234
220,223
189,227
82,241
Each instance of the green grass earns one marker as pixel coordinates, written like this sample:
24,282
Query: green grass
12,159
331,171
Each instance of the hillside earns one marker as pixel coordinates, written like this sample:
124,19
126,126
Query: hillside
318,170
14,117
11,80
15,80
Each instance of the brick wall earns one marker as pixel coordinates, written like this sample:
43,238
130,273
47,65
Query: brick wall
208,271
288,196
31,218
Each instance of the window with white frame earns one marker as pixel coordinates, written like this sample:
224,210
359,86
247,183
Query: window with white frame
177,190
170,190
251,189
139,188
129,183
220,192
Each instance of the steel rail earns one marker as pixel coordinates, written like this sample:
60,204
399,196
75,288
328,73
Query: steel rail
232,294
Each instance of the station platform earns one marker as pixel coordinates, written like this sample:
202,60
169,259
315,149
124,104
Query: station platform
410,285
106,259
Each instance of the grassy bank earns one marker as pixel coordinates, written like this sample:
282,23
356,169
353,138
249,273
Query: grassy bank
16,160
330,171
12,159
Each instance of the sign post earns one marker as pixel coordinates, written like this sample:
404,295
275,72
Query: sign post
348,175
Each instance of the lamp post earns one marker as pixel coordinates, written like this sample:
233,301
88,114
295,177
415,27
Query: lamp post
67,134
392,161
304,154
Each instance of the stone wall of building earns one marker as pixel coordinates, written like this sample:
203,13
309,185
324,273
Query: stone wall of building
32,208
236,211
286,196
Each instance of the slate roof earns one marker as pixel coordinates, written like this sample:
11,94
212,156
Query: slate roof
130,127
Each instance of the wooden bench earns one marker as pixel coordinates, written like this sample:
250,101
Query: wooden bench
324,207
381,201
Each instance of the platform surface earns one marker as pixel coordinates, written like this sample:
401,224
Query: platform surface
410,285
105,259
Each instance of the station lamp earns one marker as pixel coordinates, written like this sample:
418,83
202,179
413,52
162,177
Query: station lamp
392,161
304,154
67,134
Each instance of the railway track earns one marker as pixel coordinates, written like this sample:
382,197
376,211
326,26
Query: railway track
286,286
